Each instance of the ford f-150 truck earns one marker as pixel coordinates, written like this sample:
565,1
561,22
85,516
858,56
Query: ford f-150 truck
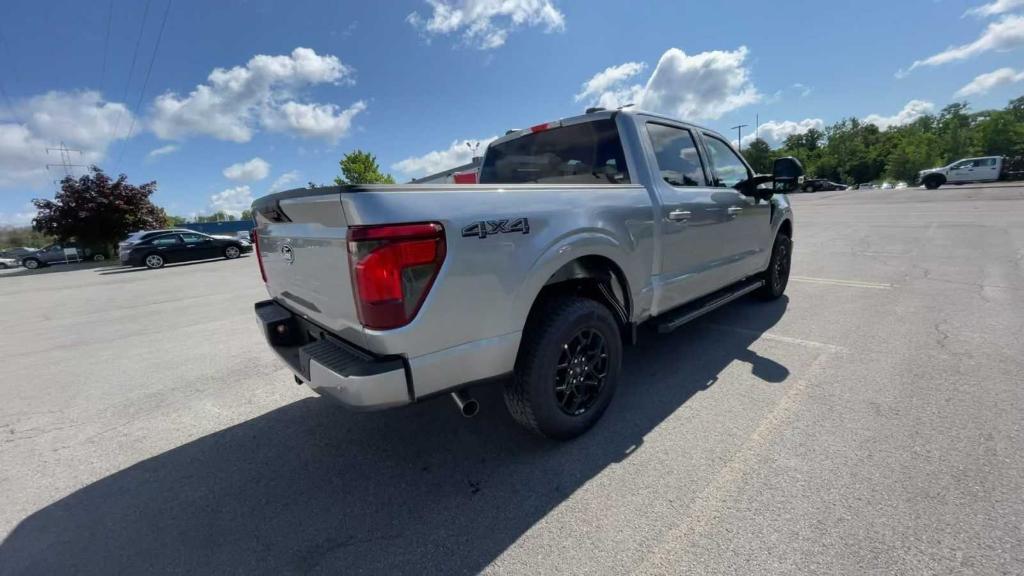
983,169
534,278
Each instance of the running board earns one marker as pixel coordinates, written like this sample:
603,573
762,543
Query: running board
702,306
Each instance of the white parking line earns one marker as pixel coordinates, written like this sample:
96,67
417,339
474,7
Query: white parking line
778,338
835,282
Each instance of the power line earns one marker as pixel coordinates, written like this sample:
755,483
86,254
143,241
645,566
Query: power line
65,159
106,46
131,69
145,81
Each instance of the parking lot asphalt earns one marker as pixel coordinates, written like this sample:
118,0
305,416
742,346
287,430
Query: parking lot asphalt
869,422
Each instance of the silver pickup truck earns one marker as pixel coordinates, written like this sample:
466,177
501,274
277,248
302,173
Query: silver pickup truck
535,278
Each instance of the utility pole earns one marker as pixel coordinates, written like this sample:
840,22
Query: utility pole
739,135
757,126
65,159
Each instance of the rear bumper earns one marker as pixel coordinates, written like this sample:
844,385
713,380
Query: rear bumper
331,366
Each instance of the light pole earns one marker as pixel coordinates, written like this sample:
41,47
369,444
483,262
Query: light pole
739,135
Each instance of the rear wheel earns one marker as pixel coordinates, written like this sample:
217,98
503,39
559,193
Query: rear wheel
154,261
232,252
31,263
98,257
568,368
776,277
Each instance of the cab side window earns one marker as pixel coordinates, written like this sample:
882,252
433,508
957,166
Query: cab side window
729,168
675,152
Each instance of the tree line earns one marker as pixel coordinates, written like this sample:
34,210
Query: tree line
852,151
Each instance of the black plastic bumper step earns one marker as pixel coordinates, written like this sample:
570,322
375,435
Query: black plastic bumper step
687,312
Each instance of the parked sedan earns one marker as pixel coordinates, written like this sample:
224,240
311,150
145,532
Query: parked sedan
6,263
820,185
156,251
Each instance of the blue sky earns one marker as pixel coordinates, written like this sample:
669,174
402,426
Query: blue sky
302,82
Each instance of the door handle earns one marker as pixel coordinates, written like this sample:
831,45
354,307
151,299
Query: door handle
734,210
679,215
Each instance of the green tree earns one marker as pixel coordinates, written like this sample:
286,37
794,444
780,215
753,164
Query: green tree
175,221
358,167
18,236
246,214
759,154
96,210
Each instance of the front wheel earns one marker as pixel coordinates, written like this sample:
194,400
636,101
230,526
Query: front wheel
31,263
776,277
568,368
932,183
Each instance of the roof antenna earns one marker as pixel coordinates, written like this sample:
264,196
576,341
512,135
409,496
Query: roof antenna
626,105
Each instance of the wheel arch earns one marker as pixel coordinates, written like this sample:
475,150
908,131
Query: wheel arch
786,227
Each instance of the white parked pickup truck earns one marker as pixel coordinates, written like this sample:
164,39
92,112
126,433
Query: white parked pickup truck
535,278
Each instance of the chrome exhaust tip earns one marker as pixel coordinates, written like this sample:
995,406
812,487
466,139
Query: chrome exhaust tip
468,406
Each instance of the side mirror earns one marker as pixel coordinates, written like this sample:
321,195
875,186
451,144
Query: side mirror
786,174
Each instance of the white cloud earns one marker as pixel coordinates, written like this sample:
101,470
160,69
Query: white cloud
984,83
912,111
313,120
457,154
703,86
81,120
995,8
1006,34
251,171
162,151
804,90
775,133
232,200
486,24
609,79
284,181
235,103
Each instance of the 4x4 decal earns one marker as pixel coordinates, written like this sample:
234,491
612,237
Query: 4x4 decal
486,228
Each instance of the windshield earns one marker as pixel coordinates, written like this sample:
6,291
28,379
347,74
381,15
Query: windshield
584,153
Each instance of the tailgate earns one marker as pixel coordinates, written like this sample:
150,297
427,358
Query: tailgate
303,248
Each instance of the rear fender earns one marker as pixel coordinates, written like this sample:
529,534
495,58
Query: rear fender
554,260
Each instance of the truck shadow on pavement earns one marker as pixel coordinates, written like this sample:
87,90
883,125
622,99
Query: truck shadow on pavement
311,487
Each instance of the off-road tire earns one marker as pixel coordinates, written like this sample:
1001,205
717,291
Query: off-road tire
776,276
531,394
932,183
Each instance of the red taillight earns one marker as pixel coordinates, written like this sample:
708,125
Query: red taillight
256,249
393,267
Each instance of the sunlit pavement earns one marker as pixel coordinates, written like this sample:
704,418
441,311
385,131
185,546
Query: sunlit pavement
870,422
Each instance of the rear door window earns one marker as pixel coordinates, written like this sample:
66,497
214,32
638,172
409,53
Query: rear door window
193,238
584,153
166,240
675,151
